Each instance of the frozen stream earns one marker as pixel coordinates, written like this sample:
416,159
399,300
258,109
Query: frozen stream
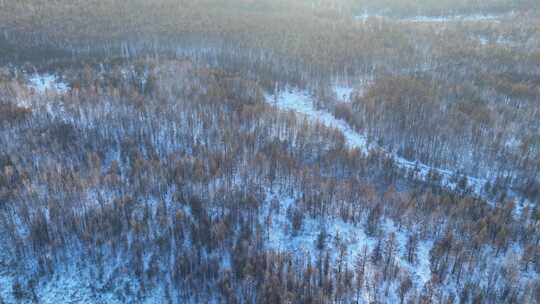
302,103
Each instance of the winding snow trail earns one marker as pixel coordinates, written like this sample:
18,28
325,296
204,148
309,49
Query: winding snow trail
302,102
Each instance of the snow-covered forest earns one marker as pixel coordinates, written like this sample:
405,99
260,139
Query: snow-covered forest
269,151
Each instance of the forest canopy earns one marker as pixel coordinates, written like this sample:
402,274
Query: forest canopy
269,151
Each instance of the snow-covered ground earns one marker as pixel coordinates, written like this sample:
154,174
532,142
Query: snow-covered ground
47,83
343,93
73,285
303,103
456,18
340,234
434,19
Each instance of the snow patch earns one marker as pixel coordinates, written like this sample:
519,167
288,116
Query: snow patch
47,83
433,19
302,102
343,93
